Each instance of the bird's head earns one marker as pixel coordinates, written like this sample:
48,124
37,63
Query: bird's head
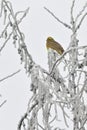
50,39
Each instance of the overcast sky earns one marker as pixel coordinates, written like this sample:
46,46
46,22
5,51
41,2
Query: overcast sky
36,26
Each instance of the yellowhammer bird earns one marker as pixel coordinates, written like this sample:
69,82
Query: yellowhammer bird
51,43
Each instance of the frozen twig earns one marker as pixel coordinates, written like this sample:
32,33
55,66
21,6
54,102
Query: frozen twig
32,107
81,12
9,76
41,126
25,12
1,8
72,7
66,25
4,44
64,115
21,121
4,29
3,103
78,26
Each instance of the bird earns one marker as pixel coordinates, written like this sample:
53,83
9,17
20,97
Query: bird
51,43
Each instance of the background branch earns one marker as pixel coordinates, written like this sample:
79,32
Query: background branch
9,76
66,25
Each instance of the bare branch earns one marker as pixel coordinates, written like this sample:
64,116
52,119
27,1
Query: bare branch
66,25
5,29
64,115
4,44
1,8
80,13
9,76
24,13
3,103
41,126
78,26
21,121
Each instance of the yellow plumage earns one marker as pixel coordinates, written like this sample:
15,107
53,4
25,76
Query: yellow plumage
51,43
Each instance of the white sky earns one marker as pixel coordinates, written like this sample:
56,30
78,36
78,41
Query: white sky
37,26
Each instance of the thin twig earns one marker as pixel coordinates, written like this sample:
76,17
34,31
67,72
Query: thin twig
41,126
1,8
72,7
33,106
21,121
5,29
78,26
64,115
25,13
9,76
80,13
66,25
3,103
6,41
